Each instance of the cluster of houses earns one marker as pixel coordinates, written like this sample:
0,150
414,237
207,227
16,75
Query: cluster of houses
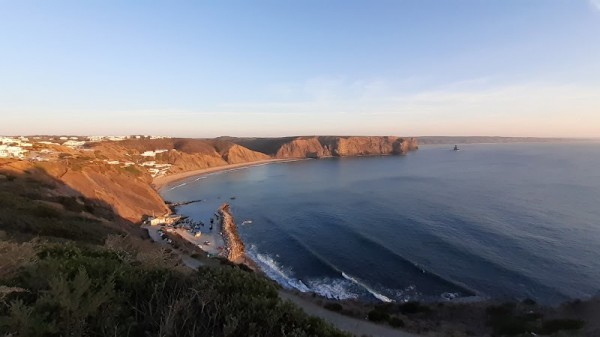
120,138
20,148
14,147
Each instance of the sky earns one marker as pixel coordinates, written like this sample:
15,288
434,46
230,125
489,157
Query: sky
300,67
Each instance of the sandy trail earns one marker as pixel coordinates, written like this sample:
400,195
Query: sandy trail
352,325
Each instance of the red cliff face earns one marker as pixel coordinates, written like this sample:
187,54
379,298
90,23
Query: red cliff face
303,148
236,154
315,147
127,192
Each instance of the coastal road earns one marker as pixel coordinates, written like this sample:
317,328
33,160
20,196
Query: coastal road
352,325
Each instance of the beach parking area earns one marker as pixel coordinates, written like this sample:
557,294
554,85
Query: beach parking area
215,246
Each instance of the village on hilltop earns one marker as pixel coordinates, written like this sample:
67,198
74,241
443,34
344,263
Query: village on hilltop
54,148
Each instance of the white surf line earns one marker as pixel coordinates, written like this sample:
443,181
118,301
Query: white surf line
174,187
377,295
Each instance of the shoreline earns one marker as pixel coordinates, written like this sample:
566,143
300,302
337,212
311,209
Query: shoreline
160,182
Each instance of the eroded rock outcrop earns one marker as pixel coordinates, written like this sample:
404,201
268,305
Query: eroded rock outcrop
316,147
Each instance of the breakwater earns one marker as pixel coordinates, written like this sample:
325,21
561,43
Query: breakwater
235,246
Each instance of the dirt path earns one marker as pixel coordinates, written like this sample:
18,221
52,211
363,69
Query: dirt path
352,325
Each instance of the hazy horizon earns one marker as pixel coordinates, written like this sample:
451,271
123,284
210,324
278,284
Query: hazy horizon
265,69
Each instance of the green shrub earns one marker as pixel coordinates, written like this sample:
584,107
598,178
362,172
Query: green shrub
76,291
70,203
132,170
376,315
413,308
43,211
555,325
333,306
511,326
396,322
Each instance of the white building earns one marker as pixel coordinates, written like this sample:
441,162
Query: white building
148,154
153,153
12,152
95,138
73,143
7,140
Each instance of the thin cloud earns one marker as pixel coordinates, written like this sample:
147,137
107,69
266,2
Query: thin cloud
595,4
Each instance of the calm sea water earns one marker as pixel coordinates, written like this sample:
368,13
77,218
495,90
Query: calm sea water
493,220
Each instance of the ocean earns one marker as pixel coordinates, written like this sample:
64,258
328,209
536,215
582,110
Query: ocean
508,221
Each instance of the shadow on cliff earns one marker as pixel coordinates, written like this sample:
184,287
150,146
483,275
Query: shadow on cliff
35,204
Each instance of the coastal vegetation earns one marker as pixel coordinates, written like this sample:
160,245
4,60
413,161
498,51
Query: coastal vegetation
126,288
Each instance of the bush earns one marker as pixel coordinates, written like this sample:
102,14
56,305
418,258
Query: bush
70,203
511,326
555,325
413,308
376,315
334,306
396,322
77,291
504,309
47,212
132,170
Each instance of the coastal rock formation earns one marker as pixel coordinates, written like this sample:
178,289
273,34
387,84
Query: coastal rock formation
234,244
303,148
236,154
327,146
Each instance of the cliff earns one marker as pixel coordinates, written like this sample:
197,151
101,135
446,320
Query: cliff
126,191
327,146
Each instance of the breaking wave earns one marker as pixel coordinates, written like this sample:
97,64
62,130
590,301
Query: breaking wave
377,295
276,272
174,187
346,287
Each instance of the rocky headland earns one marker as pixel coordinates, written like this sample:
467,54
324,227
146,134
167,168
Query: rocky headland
329,146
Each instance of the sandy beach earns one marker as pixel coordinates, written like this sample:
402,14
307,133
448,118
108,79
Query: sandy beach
162,181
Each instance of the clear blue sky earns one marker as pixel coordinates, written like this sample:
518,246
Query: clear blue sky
290,67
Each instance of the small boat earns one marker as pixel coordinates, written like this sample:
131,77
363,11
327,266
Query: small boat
246,222
456,148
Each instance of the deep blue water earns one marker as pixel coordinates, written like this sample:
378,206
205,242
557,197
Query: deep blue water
495,220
